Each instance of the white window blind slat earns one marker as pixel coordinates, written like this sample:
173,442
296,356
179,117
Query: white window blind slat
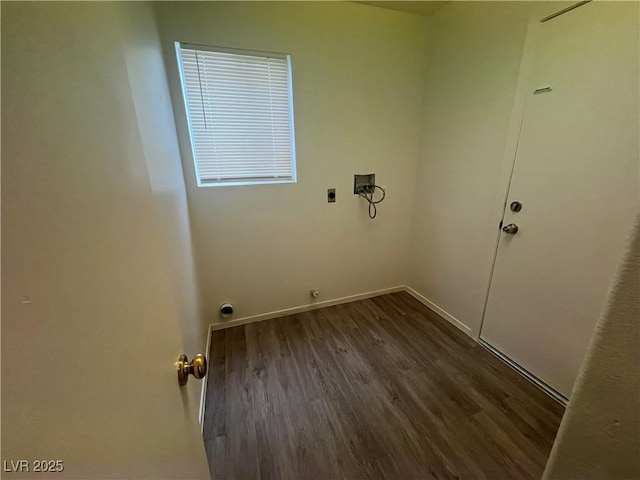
240,115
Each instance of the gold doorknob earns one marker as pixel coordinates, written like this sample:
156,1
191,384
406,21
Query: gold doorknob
196,367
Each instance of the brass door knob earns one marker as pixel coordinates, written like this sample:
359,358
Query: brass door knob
196,367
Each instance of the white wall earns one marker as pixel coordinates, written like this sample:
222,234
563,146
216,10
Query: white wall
474,60
600,432
358,88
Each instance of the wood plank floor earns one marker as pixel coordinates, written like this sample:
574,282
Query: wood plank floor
379,388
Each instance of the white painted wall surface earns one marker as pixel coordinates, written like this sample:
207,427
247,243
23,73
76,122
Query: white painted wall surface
474,59
89,319
599,436
157,128
358,88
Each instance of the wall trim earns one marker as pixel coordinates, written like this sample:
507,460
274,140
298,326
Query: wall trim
440,311
337,301
546,388
305,308
205,381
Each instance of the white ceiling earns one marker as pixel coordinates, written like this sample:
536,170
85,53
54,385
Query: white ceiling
425,8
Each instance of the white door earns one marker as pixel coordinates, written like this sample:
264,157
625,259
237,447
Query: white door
89,324
576,176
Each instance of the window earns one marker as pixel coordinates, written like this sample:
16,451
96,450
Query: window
240,112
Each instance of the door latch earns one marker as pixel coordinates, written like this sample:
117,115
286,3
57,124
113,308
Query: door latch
511,229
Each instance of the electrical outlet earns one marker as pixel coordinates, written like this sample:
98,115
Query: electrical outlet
331,195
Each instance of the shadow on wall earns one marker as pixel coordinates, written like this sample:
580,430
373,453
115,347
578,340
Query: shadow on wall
599,436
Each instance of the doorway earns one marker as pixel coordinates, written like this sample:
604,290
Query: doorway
573,192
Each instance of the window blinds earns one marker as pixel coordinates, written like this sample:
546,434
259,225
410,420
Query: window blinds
240,115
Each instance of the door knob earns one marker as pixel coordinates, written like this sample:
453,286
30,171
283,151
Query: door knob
196,367
512,229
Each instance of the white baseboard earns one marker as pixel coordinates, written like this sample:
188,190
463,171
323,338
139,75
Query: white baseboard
304,308
443,313
337,301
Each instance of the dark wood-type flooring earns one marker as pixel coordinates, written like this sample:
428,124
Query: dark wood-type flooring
379,388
